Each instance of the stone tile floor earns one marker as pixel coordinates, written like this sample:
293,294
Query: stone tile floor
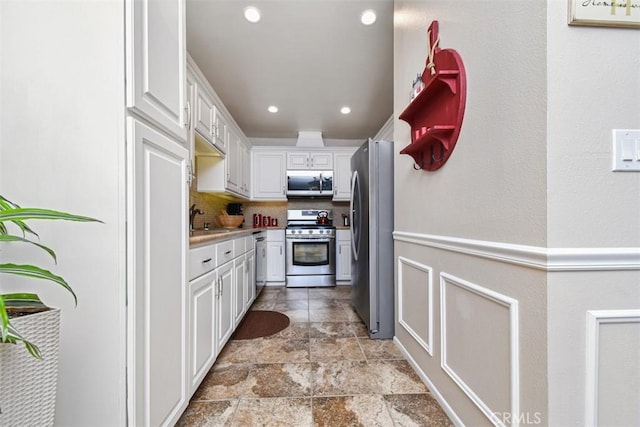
322,370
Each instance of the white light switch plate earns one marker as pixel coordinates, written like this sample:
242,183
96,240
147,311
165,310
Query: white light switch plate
626,150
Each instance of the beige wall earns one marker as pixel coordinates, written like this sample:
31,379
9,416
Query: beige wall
62,147
494,185
525,218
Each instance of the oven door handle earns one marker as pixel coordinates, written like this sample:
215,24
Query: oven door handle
314,240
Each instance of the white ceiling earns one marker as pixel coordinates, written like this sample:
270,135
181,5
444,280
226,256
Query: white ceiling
307,57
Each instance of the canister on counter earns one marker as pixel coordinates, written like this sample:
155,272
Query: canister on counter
257,220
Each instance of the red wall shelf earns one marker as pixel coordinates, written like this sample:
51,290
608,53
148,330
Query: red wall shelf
435,114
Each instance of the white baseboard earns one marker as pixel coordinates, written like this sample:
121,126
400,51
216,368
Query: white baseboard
432,388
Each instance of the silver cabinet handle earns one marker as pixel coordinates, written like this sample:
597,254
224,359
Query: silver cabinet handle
280,250
188,121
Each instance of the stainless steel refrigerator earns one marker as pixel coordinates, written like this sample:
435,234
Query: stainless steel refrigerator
371,210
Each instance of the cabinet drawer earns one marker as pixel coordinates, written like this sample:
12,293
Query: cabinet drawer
225,252
238,247
201,260
249,242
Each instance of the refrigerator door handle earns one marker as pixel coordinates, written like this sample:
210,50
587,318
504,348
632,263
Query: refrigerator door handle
355,234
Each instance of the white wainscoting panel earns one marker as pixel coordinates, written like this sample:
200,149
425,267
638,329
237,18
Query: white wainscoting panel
477,320
415,287
613,366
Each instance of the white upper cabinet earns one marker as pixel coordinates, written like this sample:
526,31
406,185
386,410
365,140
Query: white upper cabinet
220,130
233,163
342,175
321,160
204,115
269,175
224,175
156,55
207,127
244,164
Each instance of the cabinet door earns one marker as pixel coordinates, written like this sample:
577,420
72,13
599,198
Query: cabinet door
239,266
220,130
269,174
156,54
245,170
342,176
250,281
321,160
343,260
204,115
275,262
191,135
201,328
157,239
297,160
224,305
232,163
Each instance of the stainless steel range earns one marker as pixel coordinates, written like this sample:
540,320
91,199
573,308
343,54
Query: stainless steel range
310,248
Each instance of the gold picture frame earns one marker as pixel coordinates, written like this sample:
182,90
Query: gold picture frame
605,13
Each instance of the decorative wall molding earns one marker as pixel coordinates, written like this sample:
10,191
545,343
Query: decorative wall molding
540,258
595,318
432,388
386,131
428,343
512,305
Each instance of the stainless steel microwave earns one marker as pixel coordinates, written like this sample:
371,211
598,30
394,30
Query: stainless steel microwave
309,183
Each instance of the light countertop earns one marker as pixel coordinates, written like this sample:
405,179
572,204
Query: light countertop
213,235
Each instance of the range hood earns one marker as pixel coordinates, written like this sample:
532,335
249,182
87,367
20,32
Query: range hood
309,139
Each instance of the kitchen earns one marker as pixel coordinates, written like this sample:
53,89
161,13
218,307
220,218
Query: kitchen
499,236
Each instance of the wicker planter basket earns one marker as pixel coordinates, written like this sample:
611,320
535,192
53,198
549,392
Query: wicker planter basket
28,385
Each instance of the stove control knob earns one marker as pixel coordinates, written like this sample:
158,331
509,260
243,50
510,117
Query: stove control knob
310,231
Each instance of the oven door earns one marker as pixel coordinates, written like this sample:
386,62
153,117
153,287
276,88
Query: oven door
314,256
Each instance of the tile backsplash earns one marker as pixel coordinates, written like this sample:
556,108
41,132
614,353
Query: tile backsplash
212,205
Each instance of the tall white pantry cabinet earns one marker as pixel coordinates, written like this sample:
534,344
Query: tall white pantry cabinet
92,121
157,239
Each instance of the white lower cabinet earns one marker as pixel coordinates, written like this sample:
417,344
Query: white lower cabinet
250,281
343,255
202,322
240,277
224,307
275,256
221,290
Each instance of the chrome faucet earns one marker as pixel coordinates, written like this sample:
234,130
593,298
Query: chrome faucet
192,215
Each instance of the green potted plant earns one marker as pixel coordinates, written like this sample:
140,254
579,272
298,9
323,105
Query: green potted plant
28,378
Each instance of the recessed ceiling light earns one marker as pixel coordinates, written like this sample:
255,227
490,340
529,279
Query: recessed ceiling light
272,109
252,14
345,110
368,17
